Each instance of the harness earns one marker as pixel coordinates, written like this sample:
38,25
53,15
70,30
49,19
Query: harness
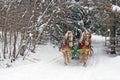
76,49
66,42
83,46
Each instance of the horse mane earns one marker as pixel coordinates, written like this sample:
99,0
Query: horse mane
81,38
66,35
85,31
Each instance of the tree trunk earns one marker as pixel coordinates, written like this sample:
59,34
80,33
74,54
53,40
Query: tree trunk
113,32
14,44
4,31
5,43
112,40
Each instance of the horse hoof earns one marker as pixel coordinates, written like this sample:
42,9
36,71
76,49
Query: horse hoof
65,63
69,61
85,64
80,61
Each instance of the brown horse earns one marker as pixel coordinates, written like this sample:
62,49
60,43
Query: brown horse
66,45
84,44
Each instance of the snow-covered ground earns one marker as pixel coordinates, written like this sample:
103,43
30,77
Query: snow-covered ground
47,64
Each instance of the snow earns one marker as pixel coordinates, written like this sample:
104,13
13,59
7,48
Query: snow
30,34
116,8
47,64
19,1
24,13
88,8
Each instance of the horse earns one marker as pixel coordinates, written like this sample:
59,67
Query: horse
66,46
84,44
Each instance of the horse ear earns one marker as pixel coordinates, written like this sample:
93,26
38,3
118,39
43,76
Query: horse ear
66,35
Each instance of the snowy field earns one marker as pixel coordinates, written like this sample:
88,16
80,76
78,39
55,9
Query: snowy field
47,64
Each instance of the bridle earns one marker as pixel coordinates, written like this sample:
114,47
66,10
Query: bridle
69,39
86,38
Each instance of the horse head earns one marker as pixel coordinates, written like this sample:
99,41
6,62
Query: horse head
69,38
86,38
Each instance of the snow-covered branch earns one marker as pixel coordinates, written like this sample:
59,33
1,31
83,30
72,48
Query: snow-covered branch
115,8
40,17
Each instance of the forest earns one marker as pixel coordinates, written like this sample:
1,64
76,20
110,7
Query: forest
24,24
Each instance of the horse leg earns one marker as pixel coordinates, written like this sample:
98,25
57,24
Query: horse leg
81,57
87,54
85,57
84,64
65,58
69,57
